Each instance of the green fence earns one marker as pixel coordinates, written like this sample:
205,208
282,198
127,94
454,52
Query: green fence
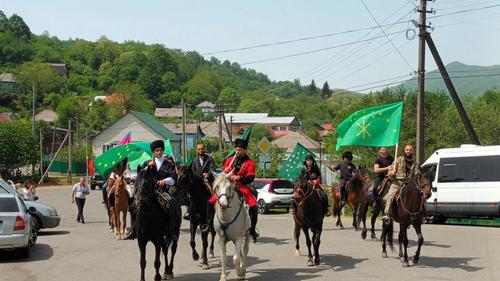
62,167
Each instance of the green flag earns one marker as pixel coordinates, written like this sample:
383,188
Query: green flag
290,170
245,136
373,126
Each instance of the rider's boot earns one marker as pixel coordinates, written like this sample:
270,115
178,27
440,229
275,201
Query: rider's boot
253,219
210,216
131,235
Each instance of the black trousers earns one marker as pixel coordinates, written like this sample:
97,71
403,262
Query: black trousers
80,203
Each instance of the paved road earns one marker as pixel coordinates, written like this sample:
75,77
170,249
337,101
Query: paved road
89,252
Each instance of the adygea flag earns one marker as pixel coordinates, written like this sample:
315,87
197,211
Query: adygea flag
373,126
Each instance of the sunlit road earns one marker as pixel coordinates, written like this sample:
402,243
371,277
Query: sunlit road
89,252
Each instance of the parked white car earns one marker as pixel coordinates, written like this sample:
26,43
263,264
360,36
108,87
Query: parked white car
273,193
44,216
16,229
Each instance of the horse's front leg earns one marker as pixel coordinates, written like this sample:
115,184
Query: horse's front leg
296,235
192,229
403,241
383,237
237,258
376,211
204,240
418,230
142,263
212,233
246,244
170,267
317,242
362,217
222,247
157,263
354,218
124,216
308,243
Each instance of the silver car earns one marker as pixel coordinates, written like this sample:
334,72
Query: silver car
44,216
16,229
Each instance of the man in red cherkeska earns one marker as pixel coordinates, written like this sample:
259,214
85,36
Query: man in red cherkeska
243,175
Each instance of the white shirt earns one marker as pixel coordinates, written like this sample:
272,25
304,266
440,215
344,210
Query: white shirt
81,191
29,194
158,162
201,160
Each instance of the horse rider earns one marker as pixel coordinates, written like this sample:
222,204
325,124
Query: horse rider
380,167
400,172
243,175
201,167
164,174
311,172
347,169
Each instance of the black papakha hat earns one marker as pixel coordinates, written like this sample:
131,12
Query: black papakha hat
310,157
241,143
156,144
347,155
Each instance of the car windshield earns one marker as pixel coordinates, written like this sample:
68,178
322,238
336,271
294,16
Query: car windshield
259,184
282,184
5,187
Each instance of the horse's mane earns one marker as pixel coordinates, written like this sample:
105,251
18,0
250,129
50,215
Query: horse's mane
219,179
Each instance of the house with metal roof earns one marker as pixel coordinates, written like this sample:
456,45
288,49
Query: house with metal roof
240,121
8,82
142,126
206,107
166,112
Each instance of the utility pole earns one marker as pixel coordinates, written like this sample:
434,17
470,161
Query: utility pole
227,129
41,154
33,114
184,141
451,89
70,179
220,112
421,80
86,156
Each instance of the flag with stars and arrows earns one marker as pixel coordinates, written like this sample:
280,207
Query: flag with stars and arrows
293,165
374,126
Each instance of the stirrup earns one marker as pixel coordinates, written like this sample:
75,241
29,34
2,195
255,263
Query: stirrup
205,227
387,219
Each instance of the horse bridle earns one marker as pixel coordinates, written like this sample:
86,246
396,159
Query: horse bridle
225,225
305,195
422,193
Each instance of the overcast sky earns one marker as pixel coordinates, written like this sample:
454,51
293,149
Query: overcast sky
211,26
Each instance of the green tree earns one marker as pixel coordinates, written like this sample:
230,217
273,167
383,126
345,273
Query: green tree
18,146
325,91
230,98
19,27
312,89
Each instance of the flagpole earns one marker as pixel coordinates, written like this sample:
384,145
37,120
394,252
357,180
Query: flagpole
396,152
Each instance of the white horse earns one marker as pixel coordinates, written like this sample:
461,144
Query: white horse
232,223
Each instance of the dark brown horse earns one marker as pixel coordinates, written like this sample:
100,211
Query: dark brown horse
355,197
308,215
410,211
378,206
199,196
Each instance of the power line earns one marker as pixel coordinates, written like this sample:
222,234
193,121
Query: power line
299,39
465,11
319,50
389,39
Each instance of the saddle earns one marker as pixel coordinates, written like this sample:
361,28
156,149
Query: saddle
380,187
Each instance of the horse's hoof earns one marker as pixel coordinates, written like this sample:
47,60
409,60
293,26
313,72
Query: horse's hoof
406,264
196,256
337,224
167,276
309,263
158,277
118,237
414,260
363,235
374,237
341,227
211,255
241,277
297,253
384,255
402,259
205,266
222,279
316,261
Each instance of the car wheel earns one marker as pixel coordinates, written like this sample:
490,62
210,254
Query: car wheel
36,223
24,253
33,236
262,207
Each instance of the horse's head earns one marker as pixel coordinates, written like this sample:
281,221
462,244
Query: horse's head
224,189
184,176
362,174
301,188
119,184
144,180
423,178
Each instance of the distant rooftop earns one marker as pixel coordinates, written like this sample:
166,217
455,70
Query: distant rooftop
168,112
7,77
46,115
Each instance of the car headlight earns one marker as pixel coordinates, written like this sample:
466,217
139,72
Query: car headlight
53,212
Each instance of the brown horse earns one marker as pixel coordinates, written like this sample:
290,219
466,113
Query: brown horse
308,215
109,202
411,211
378,206
120,206
355,197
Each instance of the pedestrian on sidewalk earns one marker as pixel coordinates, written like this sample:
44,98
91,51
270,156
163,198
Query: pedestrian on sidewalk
80,190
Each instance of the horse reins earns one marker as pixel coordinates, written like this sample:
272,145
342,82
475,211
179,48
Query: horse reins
225,225
306,195
422,200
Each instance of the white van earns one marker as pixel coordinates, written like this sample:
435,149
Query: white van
466,184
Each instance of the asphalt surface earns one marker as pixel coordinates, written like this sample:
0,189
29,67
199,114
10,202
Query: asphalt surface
86,252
